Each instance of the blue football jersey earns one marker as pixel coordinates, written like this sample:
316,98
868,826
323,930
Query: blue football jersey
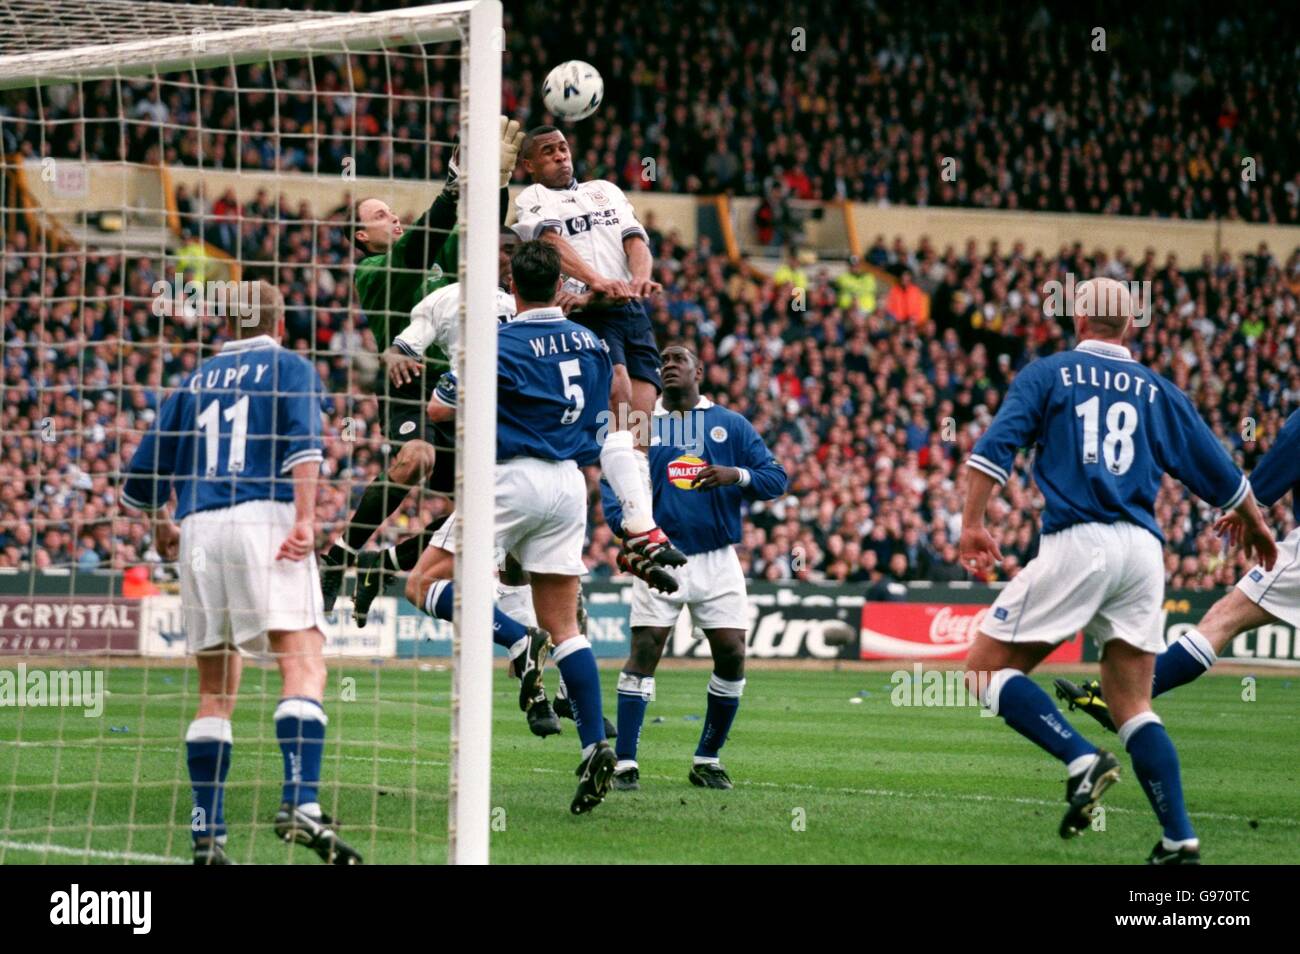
232,432
700,521
1279,470
1105,429
553,379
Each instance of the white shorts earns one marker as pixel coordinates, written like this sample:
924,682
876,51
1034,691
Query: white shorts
233,589
541,516
1277,591
711,584
1105,579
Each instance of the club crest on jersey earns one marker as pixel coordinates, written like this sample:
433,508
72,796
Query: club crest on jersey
719,434
407,427
598,196
683,471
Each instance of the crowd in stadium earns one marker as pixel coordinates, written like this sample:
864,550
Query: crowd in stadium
869,401
1022,108
871,410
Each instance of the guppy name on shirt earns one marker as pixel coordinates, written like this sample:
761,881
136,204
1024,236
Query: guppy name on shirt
564,343
1102,378
224,378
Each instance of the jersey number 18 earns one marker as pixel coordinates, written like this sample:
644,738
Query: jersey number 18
1117,446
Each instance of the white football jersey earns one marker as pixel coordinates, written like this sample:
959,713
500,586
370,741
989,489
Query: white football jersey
595,217
435,320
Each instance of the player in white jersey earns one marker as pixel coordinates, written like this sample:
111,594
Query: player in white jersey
605,250
240,444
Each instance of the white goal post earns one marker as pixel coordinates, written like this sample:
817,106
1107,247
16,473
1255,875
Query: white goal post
49,42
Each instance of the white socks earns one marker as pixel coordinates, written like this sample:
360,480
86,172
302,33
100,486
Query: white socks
628,473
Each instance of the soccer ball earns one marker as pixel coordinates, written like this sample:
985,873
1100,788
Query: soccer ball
573,90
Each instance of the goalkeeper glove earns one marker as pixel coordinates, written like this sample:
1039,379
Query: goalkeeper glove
512,138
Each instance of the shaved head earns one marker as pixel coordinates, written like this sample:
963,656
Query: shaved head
1103,306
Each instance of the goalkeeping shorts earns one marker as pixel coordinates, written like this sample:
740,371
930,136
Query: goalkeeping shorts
1105,579
233,589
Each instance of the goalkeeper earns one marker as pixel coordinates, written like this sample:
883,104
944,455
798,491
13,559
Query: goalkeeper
401,267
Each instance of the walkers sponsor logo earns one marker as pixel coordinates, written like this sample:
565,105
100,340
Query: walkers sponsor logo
932,631
78,907
32,626
683,471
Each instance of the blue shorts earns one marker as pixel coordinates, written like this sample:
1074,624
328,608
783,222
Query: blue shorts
628,336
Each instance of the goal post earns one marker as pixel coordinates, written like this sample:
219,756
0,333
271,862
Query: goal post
468,801
69,44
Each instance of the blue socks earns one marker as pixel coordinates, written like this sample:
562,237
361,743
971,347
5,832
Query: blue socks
724,701
1030,711
1186,658
577,665
635,693
300,727
208,747
439,602
1155,763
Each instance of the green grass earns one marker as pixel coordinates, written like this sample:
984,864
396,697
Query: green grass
870,782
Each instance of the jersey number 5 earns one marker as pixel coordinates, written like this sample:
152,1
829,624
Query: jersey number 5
209,424
1117,447
569,371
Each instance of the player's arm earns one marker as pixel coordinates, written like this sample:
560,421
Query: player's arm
760,477
571,264
446,396
148,486
1279,470
979,552
423,241
298,427
428,326
1018,424
1191,453
636,246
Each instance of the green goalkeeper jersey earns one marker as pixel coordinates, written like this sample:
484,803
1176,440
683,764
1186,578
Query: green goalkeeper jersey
387,292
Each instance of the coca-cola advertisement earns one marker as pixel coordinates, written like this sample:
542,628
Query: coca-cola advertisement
933,631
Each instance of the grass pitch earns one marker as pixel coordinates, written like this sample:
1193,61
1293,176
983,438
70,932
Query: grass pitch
819,779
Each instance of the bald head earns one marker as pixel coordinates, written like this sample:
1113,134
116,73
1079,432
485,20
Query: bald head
260,311
1103,308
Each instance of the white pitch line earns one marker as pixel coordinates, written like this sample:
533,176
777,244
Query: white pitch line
863,792
954,797
91,853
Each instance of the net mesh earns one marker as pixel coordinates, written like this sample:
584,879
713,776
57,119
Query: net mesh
117,191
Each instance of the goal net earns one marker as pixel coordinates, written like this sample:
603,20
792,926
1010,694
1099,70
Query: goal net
161,162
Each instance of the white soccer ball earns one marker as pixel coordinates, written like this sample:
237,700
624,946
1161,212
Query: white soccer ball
573,90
